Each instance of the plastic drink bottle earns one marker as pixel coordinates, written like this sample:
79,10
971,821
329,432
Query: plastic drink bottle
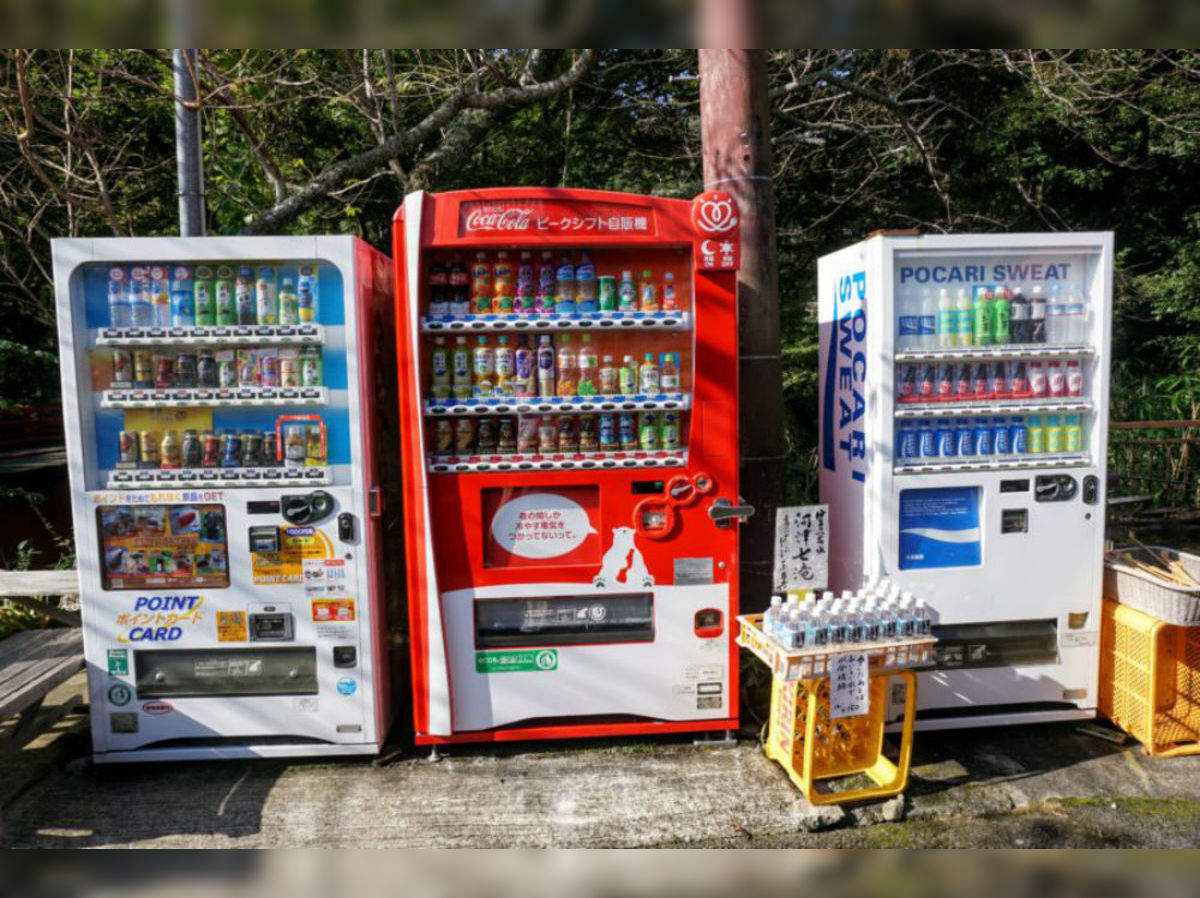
484,369
437,281
1016,436
985,316
120,313
504,368
929,311
947,320
266,301
461,369
670,431
608,432
1054,434
585,284
567,367
648,432
647,294
203,298
525,284
1019,317
1037,316
545,366
502,284
160,296
669,375
308,287
670,301
609,378
243,296
648,376
439,369
771,616
547,435
568,434
1076,316
589,366
1074,379
627,293
481,285
966,318
1001,324
460,289
1037,379
523,365
1054,316
908,323
289,302
1001,445
564,296
1056,380
183,304
627,377
1035,435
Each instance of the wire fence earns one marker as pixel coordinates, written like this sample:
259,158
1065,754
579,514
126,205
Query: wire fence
1156,459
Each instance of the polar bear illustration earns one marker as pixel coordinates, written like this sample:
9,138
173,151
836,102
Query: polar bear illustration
623,563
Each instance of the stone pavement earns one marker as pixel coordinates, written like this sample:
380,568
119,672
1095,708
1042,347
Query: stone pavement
1036,785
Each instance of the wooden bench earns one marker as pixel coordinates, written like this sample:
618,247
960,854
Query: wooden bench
34,662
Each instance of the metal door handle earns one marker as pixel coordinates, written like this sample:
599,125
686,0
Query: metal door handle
723,512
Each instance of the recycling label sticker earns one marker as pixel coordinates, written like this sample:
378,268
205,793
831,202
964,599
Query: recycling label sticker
512,661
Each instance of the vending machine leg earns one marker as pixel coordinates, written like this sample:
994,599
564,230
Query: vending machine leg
723,739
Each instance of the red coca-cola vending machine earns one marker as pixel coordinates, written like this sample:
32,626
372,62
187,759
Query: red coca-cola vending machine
568,384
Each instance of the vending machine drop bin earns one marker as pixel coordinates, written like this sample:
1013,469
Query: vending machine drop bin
570,523
219,395
963,429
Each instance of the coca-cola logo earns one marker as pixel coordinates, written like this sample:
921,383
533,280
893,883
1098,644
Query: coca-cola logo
714,212
499,219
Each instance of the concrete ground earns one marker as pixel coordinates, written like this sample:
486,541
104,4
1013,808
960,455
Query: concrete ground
1046,785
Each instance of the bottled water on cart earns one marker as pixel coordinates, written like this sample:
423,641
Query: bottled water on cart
879,612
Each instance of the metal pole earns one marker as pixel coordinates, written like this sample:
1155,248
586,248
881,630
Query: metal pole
735,130
187,145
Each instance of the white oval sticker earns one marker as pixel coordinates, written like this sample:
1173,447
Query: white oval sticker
540,525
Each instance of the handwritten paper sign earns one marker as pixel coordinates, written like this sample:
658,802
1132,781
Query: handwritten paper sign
849,695
801,547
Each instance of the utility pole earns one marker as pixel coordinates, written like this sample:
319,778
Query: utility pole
187,145
735,130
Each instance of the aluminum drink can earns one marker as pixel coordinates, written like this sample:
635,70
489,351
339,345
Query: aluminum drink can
947,445
270,451
252,449
1016,437
231,449
527,434
191,451
314,447
964,383
589,439
211,455
122,367
649,437
485,436
607,293
1000,437
169,451
983,437
464,436
127,449
906,441
670,431
164,374
964,437
206,369
289,371
927,440
906,390
186,369
568,434
269,368
143,369
608,432
310,367
627,433
927,382
946,379
506,435
227,371
148,448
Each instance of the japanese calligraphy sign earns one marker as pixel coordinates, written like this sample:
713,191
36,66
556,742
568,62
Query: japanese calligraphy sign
849,693
500,218
801,547
715,220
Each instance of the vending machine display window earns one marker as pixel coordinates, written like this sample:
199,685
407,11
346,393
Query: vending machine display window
164,546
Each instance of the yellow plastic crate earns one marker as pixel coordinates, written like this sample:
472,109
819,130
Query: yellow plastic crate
813,747
1150,680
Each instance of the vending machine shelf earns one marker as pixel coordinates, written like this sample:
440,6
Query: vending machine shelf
452,464
193,397
552,404
240,335
994,353
1025,462
999,407
224,477
551,321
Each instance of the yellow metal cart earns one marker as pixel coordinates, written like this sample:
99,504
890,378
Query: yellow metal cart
814,747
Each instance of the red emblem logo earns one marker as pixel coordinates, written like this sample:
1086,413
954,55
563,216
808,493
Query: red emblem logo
157,707
714,212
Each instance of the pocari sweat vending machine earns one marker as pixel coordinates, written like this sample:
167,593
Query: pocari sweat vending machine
963,427
219,395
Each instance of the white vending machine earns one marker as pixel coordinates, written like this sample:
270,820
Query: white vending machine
220,397
963,431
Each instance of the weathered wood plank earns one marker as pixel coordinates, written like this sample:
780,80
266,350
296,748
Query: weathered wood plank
38,583
35,661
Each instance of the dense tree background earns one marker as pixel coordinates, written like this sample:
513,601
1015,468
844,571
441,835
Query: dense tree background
942,140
